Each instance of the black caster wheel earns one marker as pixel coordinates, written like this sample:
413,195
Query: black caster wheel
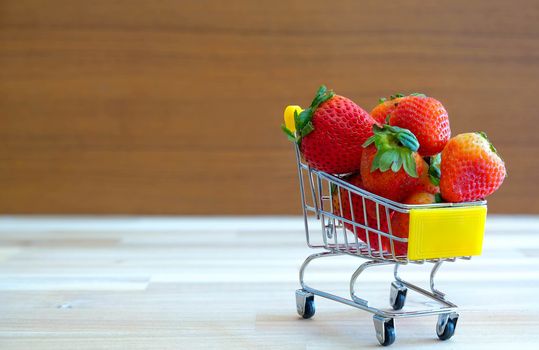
305,304
310,309
397,295
385,330
447,323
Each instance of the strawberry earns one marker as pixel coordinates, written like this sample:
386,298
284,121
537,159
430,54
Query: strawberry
373,223
344,211
359,214
330,132
400,221
385,107
471,168
391,148
426,118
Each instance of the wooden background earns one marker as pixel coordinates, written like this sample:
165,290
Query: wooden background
173,107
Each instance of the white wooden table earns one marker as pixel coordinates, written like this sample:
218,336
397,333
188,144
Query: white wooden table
199,283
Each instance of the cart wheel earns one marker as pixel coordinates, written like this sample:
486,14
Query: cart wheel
385,330
445,328
305,304
397,295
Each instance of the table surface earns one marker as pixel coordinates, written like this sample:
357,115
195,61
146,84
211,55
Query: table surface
203,283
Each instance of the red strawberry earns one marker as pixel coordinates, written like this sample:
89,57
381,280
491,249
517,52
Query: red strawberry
400,221
357,203
385,107
331,131
471,168
373,223
358,213
427,186
426,118
391,148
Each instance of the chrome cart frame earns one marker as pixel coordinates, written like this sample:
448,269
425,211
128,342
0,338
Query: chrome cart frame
320,194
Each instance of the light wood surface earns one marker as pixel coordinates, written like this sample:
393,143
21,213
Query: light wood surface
213,283
173,107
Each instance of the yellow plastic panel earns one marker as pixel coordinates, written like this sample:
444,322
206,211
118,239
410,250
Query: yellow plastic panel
446,232
289,120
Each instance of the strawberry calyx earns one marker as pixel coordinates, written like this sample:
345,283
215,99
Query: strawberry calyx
392,97
399,95
434,169
395,149
303,120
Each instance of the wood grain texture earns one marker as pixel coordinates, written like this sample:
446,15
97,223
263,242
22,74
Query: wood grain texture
144,283
167,107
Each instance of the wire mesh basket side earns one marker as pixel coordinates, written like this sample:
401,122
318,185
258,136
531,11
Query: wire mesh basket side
351,222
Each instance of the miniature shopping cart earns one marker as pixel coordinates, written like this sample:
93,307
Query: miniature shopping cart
437,233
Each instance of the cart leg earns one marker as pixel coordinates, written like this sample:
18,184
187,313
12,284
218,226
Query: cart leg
433,293
356,274
432,275
305,299
397,292
308,261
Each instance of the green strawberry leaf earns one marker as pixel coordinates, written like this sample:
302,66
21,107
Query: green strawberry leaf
296,119
303,118
398,95
405,137
395,148
397,165
434,169
288,133
307,128
409,163
378,137
382,100
368,142
434,180
387,159
438,198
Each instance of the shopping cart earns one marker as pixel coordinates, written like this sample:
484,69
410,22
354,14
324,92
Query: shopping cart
437,233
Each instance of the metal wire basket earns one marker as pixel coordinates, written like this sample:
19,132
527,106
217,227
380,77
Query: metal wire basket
437,233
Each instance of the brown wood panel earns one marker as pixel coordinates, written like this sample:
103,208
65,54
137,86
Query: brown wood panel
168,107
